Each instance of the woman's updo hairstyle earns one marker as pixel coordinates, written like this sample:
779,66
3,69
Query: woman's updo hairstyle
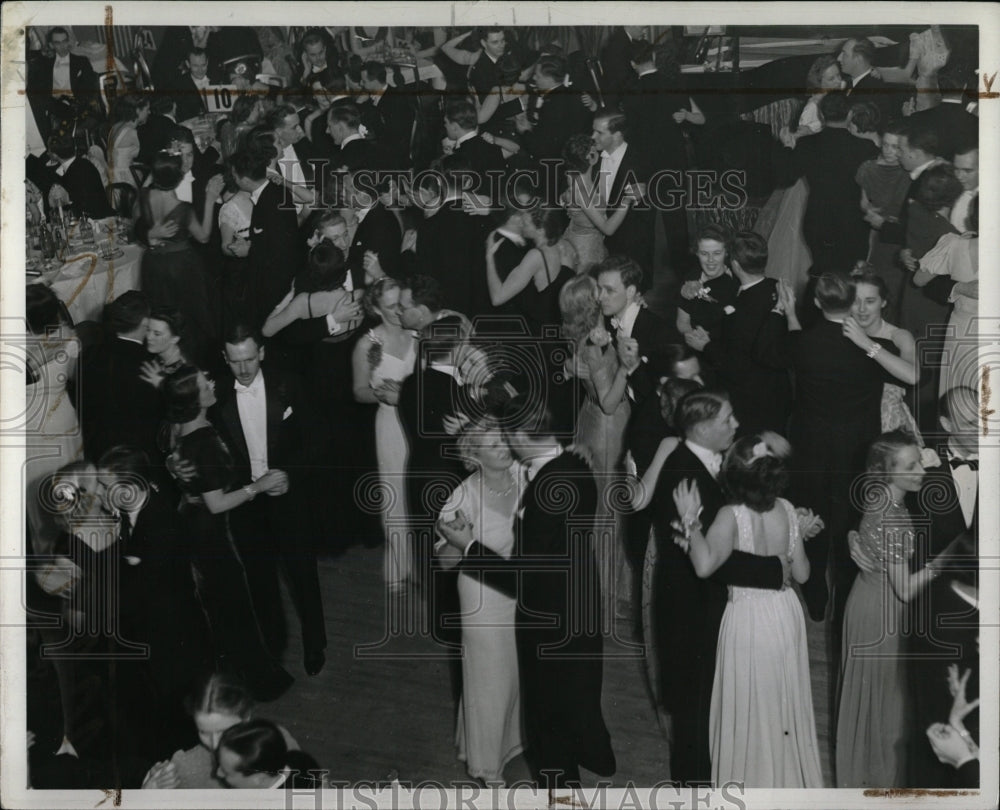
373,294
166,171
217,693
752,474
883,451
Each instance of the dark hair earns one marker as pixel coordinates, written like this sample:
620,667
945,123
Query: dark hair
425,291
575,152
194,51
552,66
671,391
326,269
43,310
239,332
181,134
616,120
242,107
250,163
217,693
276,117
314,36
696,407
374,292
175,321
895,126
814,78
529,415
869,276
834,106
347,114
261,748
922,137
626,267
550,220
753,479
376,71
166,171
127,107
865,48
641,52
716,231
749,250
484,31
462,113
835,292
883,450
161,105
125,461
181,395
56,30
938,187
62,146
127,312
865,116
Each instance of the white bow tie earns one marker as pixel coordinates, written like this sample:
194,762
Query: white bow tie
242,389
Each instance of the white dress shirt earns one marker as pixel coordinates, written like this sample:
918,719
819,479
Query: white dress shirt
184,191
517,239
61,171
61,83
966,485
466,137
626,321
960,210
251,403
711,459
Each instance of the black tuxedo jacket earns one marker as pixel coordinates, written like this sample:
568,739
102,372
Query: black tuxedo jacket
484,159
116,406
553,575
649,109
634,236
560,116
154,135
189,99
755,377
294,431
83,182
888,99
82,79
508,256
485,75
275,250
391,123
358,154
955,127
619,80
688,611
168,68
378,232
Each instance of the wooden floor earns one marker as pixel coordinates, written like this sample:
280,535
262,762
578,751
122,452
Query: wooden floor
383,704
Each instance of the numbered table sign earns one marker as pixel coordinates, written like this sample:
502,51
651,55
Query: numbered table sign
220,97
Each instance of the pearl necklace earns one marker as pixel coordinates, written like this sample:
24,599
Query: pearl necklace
493,492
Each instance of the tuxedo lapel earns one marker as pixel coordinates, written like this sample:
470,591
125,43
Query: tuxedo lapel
275,411
231,420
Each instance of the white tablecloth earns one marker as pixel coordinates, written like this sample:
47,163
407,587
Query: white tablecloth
86,282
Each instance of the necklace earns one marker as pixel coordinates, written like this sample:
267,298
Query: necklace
494,492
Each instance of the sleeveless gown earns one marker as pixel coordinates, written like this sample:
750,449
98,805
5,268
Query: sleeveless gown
584,236
391,452
761,729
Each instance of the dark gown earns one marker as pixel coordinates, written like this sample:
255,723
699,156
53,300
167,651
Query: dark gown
218,570
173,275
709,314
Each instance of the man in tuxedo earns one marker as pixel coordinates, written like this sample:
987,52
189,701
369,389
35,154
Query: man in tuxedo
620,171
857,58
835,416
274,239
74,181
376,249
619,79
169,66
486,76
966,165
486,159
555,114
389,115
159,599
268,423
158,130
758,384
293,148
55,80
553,575
316,66
832,224
117,406
687,611
190,87
355,152
448,243
954,125
510,252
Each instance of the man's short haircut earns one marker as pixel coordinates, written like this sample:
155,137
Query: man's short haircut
626,267
62,146
865,48
834,292
347,114
865,116
966,146
182,135
528,415
127,312
126,461
57,30
642,52
161,105
462,113
376,71
938,187
552,66
697,407
834,106
425,291
896,126
249,164
616,121
313,37
193,51
484,31
923,137
750,250
276,117
239,332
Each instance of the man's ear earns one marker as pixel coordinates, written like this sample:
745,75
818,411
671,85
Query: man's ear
816,303
260,354
946,424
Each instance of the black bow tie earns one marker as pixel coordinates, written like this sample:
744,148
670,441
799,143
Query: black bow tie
956,462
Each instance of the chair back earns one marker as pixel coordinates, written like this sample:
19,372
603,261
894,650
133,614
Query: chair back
121,198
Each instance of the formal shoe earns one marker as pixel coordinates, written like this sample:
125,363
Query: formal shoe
314,662
271,684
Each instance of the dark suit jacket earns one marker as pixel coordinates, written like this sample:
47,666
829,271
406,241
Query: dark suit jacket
358,154
83,182
484,159
634,236
888,99
189,99
560,116
294,430
619,80
649,109
116,406
688,611
955,127
168,67
508,256
757,380
275,250
379,232
553,574
391,124
82,80
154,135
486,74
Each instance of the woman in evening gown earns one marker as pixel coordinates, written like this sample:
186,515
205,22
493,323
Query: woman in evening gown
762,731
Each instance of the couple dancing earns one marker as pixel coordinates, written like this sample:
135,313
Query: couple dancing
721,502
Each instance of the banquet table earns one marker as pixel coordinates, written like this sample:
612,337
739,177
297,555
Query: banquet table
85,282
